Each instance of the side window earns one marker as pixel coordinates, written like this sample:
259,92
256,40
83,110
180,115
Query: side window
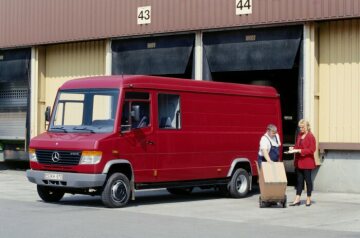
169,116
140,114
136,111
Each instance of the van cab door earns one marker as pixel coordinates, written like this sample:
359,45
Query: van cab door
138,134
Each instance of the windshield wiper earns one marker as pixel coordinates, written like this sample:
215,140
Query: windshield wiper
83,129
59,128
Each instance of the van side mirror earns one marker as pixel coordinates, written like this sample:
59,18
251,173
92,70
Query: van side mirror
125,128
135,112
47,113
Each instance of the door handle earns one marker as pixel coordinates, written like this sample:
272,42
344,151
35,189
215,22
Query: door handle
149,142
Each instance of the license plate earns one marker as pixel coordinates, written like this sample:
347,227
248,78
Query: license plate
52,176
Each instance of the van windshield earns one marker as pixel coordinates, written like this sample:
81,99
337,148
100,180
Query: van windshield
85,111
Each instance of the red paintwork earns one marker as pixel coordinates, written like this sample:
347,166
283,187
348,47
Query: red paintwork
305,159
220,122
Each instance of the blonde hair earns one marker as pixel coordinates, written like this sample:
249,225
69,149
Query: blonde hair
306,123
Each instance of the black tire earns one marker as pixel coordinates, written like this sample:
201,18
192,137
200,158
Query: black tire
49,194
239,184
116,192
180,191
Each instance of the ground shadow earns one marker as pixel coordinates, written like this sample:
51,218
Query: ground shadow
152,197
14,165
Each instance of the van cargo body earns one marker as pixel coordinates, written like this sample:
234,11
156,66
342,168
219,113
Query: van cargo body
111,135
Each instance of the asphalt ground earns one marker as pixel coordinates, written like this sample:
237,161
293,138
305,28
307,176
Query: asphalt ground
204,213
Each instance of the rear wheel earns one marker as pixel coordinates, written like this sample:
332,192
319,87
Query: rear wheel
239,184
116,192
49,194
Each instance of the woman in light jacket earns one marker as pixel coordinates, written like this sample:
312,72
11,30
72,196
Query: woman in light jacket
304,150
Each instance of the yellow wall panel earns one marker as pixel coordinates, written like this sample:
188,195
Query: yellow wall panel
339,86
69,61
41,90
60,63
324,75
355,82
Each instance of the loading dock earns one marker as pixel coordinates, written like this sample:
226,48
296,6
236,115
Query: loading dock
262,56
14,103
170,56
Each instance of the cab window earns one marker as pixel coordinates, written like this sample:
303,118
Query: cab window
136,111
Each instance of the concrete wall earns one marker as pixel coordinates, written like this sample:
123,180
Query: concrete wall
339,172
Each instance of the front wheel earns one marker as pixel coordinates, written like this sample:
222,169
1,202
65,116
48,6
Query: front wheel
116,192
49,194
239,184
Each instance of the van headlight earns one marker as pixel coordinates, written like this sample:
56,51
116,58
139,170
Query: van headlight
90,157
32,155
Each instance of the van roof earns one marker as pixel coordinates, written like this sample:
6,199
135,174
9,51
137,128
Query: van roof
169,84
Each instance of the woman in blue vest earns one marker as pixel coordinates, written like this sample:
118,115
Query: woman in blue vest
269,145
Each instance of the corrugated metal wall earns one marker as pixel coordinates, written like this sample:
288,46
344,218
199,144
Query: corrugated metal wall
339,76
69,61
34,22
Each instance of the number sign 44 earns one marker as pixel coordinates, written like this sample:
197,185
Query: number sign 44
243,7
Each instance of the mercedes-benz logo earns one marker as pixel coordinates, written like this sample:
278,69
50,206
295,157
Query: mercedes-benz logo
55,157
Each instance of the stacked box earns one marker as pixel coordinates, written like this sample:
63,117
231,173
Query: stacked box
272,181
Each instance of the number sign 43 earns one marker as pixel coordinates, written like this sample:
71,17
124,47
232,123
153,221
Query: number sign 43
243,7
144,15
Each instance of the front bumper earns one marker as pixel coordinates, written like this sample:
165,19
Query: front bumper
70,180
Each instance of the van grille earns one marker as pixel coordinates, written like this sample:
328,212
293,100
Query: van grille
65,157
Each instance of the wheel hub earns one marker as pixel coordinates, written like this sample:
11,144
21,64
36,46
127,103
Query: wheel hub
119,191
241,184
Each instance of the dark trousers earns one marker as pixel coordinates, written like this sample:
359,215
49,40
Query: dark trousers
301,175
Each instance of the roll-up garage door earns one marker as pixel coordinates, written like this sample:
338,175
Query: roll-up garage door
252,49
265,56
166,55
14,93
14,65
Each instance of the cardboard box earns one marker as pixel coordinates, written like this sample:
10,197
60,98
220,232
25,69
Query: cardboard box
272,181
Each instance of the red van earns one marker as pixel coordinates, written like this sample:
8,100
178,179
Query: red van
111,135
